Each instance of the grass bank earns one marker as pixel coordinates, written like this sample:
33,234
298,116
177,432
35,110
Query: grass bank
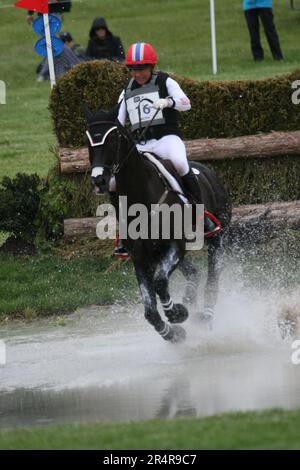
275,429
47,284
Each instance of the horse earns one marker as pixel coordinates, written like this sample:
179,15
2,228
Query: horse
154,260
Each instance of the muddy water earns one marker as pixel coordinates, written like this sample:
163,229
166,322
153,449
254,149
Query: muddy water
107,364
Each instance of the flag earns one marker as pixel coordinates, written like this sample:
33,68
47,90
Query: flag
41,6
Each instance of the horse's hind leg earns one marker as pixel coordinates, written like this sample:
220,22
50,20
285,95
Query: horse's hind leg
144,276
176,313
214,267
191,273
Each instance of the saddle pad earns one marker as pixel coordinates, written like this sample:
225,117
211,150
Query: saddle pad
170,178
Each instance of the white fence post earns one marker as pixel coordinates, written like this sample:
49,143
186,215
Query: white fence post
213,36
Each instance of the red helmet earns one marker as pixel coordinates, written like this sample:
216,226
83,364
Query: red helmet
141,53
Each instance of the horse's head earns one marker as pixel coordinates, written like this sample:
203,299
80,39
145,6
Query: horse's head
108,141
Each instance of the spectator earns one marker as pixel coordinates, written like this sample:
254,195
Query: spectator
62,64
255,9
56,7
79,51
103,44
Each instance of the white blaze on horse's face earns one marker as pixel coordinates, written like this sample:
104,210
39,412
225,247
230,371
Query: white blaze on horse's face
96,171
97,139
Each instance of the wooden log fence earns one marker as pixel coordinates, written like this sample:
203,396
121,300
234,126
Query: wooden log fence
278,215
261,146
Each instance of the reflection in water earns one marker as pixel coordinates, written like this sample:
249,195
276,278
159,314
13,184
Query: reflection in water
196,388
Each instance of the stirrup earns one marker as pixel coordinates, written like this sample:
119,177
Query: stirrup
218,226
120,250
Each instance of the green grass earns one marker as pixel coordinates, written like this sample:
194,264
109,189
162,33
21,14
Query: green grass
31,287
268,430
179,30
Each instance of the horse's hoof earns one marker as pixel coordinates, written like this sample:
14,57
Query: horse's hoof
191,294
287,327
178,334
174,333
206,318
189,301
178,314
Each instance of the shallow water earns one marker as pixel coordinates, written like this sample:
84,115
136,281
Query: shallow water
107,364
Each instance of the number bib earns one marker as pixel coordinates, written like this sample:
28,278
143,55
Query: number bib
139,106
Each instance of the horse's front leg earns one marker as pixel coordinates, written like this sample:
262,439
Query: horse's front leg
144,274
176,313
214,267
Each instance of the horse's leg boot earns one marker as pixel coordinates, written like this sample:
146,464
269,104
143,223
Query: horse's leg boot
192,185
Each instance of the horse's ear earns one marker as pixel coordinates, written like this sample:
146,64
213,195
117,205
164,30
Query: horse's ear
113,112
88,114
110,115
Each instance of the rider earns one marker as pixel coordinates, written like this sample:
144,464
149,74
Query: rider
156,91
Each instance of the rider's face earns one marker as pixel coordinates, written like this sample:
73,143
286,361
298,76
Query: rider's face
142,76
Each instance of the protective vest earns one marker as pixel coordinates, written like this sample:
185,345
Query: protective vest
138,101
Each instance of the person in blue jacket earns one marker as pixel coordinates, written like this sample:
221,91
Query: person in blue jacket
262,9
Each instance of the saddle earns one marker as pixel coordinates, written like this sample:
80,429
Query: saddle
173,182
168,173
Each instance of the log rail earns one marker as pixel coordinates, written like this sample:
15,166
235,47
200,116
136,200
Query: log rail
278,215
260,146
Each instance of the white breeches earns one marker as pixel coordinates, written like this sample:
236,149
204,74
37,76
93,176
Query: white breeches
169,147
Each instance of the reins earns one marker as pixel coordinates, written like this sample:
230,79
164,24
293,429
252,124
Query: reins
116,168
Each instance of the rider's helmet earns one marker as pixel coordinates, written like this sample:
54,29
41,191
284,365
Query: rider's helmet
140,55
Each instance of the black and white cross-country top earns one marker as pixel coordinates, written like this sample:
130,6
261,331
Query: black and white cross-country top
135,104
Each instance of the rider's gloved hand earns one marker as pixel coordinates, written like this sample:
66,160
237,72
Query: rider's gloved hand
163,103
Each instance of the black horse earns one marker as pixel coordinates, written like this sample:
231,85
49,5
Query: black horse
155,260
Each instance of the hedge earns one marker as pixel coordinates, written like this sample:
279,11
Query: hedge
64,197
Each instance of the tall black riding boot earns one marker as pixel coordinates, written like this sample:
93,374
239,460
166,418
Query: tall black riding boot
192,185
